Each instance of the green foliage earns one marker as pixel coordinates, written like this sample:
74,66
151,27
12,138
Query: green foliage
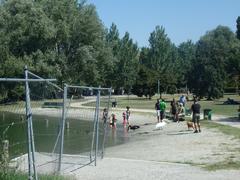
125,61
20,176
238,27
145,84
187,54
160,62
67,40
209,69
61,39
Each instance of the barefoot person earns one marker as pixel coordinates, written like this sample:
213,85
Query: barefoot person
196,116
113,121
157,108
162,109
105,115
128,113
124,119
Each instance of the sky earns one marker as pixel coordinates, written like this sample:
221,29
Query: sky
182,19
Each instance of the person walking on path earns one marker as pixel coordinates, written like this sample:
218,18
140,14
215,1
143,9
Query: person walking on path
157,108
196,115
162,109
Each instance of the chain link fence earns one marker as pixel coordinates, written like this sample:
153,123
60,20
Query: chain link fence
47,129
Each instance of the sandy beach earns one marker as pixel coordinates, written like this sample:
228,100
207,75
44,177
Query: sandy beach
172,153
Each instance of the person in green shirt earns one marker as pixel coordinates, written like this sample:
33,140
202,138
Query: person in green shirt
162,109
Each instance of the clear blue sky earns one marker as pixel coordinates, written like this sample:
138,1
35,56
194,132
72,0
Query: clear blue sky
182,19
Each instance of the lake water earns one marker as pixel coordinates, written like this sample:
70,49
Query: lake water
77,138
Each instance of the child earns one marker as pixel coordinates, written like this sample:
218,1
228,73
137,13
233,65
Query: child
124,119
104,115
128,114
113,121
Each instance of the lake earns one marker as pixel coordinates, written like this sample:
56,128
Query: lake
77,139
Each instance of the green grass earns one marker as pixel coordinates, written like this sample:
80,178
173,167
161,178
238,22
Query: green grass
21,176
228,130
229,163
216,106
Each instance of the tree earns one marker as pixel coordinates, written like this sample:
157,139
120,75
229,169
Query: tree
62,39
113,39
145,84
127,65
125,61
186,53
209,69
238,27
161,58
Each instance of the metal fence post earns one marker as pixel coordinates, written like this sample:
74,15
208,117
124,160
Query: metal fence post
28,125
94,131
5,154
97,126
62,128
31,143
105,124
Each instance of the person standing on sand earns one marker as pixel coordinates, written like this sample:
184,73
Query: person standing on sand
174,109
162,109
157,108
182,100
196,116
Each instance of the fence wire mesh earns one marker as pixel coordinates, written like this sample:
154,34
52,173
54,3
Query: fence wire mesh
46,107
63,130
84,129
12,123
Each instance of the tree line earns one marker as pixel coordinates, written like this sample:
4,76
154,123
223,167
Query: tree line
67,40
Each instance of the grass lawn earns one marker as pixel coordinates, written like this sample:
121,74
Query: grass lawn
21,176
228,130
217,106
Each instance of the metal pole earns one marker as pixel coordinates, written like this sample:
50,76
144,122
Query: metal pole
105,124
28,125
158,87
94,129
24,80
62,126
56,86
5,154
97,129
33,147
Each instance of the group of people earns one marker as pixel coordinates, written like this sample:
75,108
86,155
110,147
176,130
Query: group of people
113,119
178,111
160,107
178,108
